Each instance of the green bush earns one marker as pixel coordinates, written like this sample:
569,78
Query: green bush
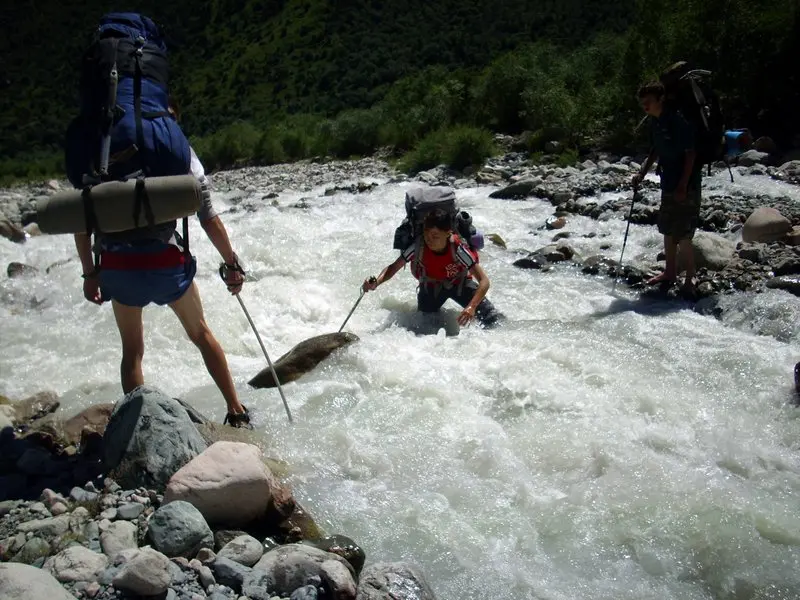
269,149
417,105
456,147
234,144
32,167
468,146
355,133
568,158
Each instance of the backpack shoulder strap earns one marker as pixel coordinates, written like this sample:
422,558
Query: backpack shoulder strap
419,248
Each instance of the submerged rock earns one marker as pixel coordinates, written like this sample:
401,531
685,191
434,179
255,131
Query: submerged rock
302,358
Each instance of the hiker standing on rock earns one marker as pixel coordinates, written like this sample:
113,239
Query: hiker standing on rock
672,142
138,136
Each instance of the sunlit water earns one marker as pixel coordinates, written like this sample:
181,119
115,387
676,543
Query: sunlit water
595,447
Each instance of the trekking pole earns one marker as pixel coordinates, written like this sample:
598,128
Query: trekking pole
625,240
352,310
264,350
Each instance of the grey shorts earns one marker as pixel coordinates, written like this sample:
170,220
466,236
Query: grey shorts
679,220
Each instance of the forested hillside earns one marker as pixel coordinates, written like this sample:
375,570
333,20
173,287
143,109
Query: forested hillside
262,80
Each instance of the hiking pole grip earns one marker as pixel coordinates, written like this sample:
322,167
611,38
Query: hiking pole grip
625,239
352,310
269,362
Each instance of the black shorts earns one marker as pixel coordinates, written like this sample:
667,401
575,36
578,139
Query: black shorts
679,220
429,299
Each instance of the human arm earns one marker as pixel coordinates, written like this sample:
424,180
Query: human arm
639,177
389,272
483,287
216,232
91,285
233,275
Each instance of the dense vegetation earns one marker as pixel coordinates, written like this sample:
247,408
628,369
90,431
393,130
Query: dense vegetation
268,81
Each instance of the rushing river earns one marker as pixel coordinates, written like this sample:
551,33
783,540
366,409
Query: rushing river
594,447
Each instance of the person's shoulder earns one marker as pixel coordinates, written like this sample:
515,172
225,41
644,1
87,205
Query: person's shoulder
408,253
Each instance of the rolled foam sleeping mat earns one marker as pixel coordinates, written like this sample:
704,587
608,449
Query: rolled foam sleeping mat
114,202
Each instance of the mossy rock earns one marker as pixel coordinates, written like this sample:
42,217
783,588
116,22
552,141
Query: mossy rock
34,549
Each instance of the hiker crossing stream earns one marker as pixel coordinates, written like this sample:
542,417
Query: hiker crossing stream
593,446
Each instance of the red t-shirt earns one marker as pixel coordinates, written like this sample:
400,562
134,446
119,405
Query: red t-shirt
443,266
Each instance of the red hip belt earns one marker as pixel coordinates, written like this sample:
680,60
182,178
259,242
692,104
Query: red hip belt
171,257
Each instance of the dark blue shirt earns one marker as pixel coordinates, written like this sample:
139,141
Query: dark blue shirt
671,136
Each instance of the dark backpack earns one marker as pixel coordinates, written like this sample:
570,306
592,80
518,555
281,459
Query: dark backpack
688,91
124,127
420,202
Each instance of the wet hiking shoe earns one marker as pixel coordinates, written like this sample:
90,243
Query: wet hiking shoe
239,421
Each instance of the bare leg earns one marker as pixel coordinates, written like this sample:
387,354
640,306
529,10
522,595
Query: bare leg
190,312
687,258
131,331
670,273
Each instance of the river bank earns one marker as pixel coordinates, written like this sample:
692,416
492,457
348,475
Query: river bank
499,461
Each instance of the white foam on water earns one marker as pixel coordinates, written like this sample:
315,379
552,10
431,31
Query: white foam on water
594,447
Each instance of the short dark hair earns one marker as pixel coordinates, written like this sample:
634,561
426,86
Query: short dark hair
654,88
439,219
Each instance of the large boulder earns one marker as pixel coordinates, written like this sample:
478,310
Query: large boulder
752,157
765,224
517,190
149,437
711,251
789,169
289,567
23,581
178,529
230,485
384,581
765,144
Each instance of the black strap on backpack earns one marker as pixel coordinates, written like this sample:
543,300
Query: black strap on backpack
187,255
137,104
142,200
91,221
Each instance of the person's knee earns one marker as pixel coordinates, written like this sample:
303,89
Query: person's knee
201,336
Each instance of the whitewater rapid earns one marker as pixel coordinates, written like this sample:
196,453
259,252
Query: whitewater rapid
595,447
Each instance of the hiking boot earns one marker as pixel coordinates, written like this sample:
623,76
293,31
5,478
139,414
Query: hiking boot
239,421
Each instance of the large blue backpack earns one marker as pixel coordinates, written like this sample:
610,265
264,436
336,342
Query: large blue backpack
124,128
